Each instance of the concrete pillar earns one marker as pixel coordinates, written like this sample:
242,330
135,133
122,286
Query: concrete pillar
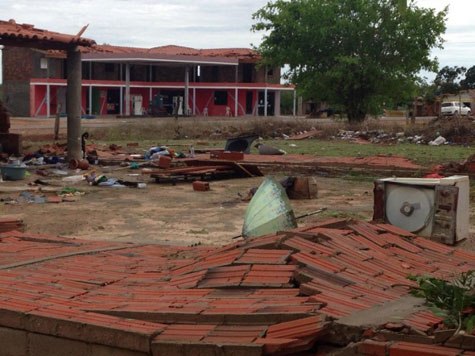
194,101
187,93
127,89
295,103
121,105
300,108
150,80
90,99
90,89
48,91
48,100
277,103
74,103
265,102
236,101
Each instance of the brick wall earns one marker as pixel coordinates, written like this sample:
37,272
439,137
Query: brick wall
17,64
16,97
15,342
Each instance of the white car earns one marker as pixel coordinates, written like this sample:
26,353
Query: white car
454,108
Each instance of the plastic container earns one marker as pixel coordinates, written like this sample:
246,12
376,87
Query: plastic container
13,172
73,179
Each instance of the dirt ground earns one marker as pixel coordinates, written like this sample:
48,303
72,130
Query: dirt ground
164,213
170,214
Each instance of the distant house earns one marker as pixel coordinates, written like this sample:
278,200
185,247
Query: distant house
219,82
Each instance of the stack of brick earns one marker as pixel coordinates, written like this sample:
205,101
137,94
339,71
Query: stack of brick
7,225
9,143
274,295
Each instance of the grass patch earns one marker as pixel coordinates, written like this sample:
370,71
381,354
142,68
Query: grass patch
422,154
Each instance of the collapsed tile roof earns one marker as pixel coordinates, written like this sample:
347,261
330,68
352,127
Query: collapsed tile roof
12,33
237,53
271,295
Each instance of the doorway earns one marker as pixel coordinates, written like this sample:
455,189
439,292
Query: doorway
113,101
270,103
249,102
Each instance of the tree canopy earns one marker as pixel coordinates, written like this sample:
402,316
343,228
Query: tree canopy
352,54
469,81
448,80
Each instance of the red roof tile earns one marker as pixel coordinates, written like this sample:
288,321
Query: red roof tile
413,349
341,271
260,256
297,329
244,54
11,31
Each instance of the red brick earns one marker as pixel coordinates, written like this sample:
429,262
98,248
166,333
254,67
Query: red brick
185,332
296,329
200,186
413,349
272,346
372,348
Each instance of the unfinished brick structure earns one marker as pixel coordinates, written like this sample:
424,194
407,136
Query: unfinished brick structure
9,143
280,294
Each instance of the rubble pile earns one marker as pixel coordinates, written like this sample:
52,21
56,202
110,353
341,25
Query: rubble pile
279,294
379,136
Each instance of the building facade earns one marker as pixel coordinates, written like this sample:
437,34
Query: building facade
161,81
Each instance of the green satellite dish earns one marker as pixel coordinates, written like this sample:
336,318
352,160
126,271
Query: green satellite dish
269,211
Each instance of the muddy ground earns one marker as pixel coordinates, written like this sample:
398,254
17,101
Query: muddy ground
169,214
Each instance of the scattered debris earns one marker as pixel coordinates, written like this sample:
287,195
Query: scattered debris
295,187
305,135
240,144
269,211
438,141
269,150
467,166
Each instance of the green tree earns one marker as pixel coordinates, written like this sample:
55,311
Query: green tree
448,80
351,54
469,81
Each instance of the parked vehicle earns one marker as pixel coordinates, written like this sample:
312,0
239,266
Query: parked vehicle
454,108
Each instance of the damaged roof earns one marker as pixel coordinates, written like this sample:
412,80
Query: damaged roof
14,34
173,50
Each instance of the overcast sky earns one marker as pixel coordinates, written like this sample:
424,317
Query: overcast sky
198,23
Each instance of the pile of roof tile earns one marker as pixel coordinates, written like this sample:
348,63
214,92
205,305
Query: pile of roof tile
375,348
7,225
273,295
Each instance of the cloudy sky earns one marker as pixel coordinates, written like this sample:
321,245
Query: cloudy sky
198,23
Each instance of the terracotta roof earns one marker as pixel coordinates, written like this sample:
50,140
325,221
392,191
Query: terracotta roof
173,50
12,33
